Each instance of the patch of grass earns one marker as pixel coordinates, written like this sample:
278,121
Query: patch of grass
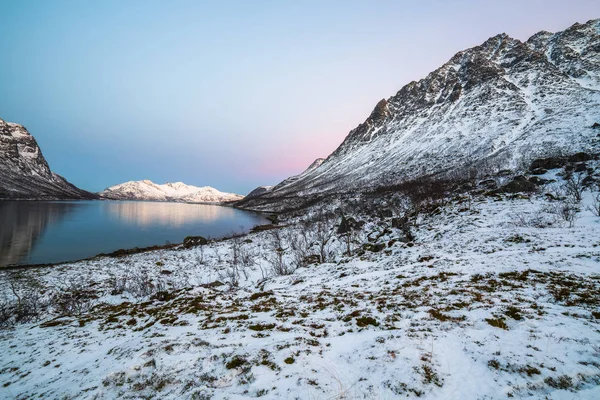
236,362
517,239
261,327
529,370
289,360
497,323
563,382
366,321
437,314
258,295
514,313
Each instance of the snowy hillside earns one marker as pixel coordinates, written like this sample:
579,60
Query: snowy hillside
24,172
178,191
497,106
484,294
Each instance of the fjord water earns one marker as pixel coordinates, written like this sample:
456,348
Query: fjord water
36,232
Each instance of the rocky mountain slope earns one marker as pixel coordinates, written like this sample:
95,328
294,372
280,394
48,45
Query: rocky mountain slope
24,172
497,105
178,191
259,191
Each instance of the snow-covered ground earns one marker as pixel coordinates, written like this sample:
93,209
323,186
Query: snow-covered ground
496,297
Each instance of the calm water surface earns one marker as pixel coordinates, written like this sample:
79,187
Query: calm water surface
35,232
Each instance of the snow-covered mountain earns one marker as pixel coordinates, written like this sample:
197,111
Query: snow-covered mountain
24,172
502,103
178,191
261,190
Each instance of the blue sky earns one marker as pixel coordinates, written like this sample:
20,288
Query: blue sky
231,94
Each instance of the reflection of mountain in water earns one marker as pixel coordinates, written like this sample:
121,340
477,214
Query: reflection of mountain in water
22,223
172,214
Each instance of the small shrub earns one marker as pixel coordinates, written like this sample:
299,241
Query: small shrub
563,382
514,313
497,323
236,362
495,364
261,327
365,321
259,295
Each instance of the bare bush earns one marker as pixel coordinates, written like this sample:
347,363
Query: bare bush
28,303
200,255
230,276
564,209
118,284
140,285
299,245
279,265
241,261
595,206
74,298
574,186
323,232
5,312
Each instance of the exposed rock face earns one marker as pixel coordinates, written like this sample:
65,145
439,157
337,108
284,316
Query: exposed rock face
504,103
178,191
25,174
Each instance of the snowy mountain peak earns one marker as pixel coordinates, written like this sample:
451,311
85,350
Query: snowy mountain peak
499,104
177,191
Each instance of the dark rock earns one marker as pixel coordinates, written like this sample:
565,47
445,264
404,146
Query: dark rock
346,225
582,167
538,171
399,223
311,259
579,157
386,213
596,125
538,181
548,163
518,184
192,241
488,184
374,247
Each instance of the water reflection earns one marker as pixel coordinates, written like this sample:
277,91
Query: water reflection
23,223
47,232
172,214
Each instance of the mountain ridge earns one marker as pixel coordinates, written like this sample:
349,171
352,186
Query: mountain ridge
170,191
501,104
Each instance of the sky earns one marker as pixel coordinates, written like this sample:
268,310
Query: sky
229,94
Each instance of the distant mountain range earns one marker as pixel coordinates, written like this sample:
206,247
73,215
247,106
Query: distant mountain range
502,103
24,172
178,191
